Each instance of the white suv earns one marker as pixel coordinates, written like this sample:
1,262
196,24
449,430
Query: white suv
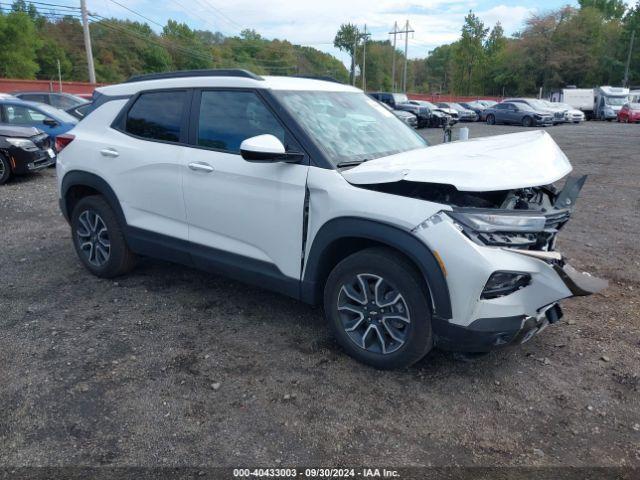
313,189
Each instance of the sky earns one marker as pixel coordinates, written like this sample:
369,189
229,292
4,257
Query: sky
315,22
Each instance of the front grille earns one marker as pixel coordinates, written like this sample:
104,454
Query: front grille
559,115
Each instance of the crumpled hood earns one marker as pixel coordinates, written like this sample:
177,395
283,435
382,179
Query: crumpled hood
502,162
18,131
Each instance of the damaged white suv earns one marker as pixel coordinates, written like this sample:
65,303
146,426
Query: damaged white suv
312,189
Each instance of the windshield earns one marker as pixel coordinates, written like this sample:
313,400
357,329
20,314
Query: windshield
349,127
56,114
634,106
537,104
400,98
615,101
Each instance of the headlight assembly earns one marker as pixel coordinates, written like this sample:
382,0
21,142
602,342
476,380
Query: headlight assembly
488,222
23,143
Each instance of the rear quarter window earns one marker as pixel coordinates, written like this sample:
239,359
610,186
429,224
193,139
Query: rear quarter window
157,116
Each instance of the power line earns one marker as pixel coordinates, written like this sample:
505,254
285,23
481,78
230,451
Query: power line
136,13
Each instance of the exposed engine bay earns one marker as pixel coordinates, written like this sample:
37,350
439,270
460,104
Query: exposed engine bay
555,205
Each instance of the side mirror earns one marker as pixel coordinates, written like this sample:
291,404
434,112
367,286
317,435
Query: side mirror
50,122
267,148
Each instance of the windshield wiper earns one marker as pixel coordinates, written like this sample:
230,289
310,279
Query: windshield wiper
350,163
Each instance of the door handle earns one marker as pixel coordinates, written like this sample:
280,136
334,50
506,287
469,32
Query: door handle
109,152
201,167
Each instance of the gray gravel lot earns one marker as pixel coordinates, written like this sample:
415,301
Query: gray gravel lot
170,366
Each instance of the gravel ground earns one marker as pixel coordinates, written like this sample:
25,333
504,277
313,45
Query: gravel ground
172,367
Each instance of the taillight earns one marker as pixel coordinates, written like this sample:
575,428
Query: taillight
63,140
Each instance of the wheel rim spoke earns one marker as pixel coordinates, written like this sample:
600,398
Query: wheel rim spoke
373,313
93,238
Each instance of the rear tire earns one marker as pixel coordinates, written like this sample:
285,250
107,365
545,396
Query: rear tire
5,170
377,307
491,119
99,240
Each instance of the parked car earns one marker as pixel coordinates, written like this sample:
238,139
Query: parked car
407,246
517,114
571,115
406,117
436,117
464,115
23,150
476,107
45,117
399,101
629,113
540,106
452,112
63,101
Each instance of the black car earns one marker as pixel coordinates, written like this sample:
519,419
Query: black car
437,117
24,150
399,101
517,114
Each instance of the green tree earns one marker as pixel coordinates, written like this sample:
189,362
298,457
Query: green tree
346,40
611,9
186,47
48,56
19,42
470,55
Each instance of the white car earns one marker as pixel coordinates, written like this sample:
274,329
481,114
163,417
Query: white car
571,115
279,182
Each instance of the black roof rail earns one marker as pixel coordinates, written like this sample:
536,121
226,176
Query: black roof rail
216,72
316,77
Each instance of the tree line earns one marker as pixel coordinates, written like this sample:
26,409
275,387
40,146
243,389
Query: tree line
584,46
35,39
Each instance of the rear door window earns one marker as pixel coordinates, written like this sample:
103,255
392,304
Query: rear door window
157,115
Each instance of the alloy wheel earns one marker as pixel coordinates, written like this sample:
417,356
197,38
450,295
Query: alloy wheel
93,238
374,314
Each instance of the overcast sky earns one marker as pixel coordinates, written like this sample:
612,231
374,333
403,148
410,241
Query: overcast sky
314,23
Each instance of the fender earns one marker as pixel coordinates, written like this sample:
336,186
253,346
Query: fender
85,179
395,237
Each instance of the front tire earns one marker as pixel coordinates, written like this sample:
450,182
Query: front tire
377,307
5,170
99,240
491,119
527,122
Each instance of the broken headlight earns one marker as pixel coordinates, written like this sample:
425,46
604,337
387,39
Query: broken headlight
490,222
23,143
504,283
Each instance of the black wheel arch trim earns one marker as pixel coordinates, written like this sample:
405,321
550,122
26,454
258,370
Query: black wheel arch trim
76,178
390,235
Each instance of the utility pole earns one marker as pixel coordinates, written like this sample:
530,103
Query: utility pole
364,58
393,57
407,30
87,41
353,58
59,76
625,82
